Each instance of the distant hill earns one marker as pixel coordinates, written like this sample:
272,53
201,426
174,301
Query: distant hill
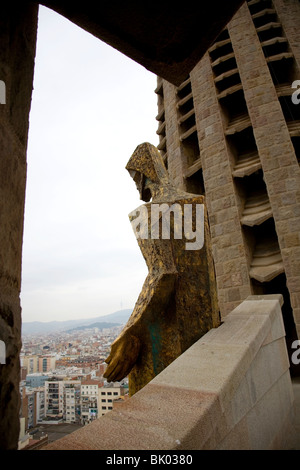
99,325
119,317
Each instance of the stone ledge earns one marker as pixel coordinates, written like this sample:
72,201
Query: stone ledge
220,394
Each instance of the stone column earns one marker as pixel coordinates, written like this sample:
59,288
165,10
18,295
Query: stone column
289,13
174,150
18,26
229,253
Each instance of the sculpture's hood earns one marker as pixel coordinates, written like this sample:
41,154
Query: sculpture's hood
147,160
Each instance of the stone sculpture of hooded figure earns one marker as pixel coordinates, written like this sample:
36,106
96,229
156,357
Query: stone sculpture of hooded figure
178,301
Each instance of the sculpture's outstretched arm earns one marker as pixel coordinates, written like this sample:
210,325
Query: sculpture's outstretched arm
124,353
125,349
153,299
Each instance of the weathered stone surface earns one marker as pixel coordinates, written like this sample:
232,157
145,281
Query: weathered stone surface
18,25
230,156
280,167
178,302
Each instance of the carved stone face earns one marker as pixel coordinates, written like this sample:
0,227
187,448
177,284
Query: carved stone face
142,185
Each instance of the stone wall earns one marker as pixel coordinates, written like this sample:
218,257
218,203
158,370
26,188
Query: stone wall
18,25
279,163
229,252
248,134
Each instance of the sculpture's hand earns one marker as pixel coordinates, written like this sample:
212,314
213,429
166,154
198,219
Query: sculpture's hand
124,352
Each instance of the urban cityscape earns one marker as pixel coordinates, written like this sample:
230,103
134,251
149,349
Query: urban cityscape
62,382
210,356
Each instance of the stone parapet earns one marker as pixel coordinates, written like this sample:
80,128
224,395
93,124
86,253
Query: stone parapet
230,390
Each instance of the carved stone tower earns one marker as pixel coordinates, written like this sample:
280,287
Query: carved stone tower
231,131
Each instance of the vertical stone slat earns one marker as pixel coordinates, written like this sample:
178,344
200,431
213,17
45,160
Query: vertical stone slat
175,154
227,241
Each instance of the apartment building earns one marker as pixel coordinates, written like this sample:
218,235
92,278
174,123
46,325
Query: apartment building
72,409
36,380
54,398
46,363
75,401
38,363
98,399
89,400
31,362
32,406
108,394
40,404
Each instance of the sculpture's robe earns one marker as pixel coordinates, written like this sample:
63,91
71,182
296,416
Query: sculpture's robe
178,302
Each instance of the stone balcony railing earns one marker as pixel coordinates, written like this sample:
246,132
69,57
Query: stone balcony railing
231,390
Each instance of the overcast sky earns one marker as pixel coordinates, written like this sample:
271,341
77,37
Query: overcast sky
91,107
